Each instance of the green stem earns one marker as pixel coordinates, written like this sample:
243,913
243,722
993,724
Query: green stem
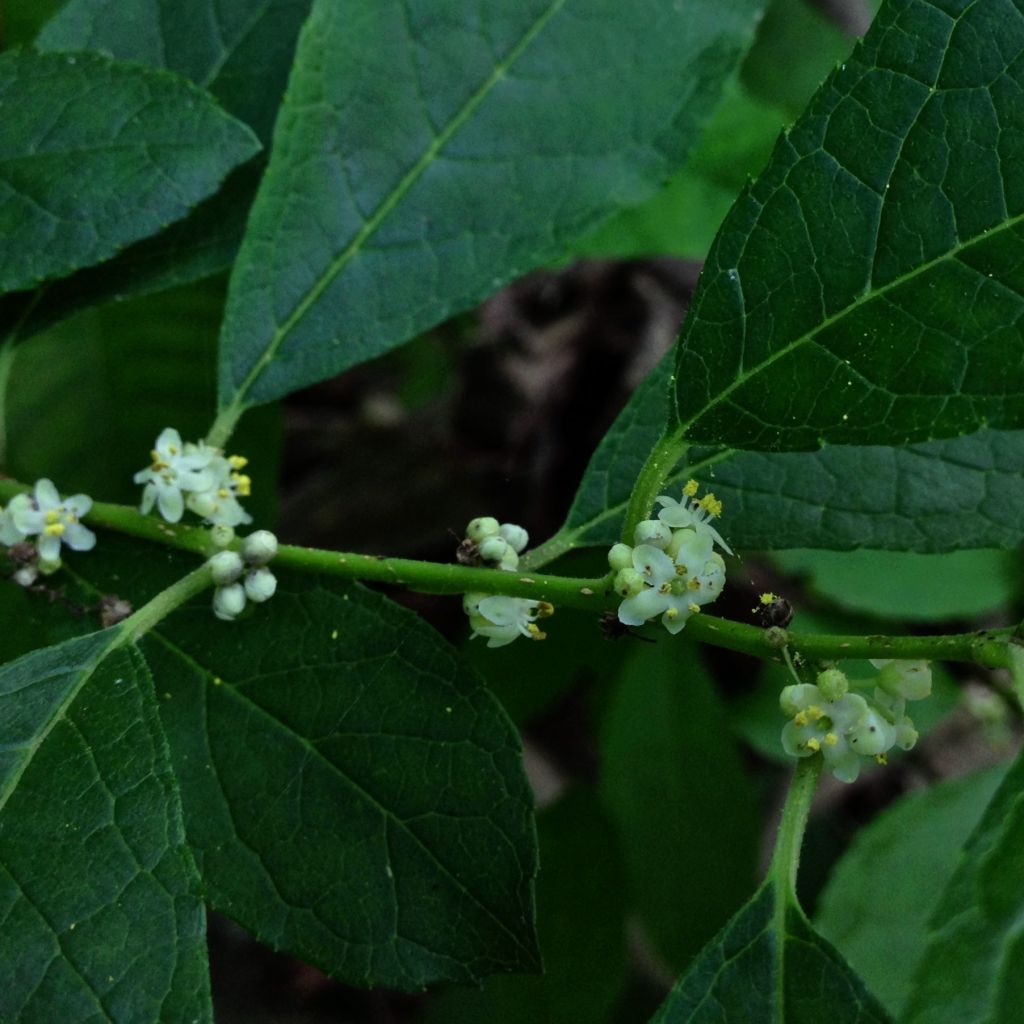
649,483
164,603
786,857
991,648
224,425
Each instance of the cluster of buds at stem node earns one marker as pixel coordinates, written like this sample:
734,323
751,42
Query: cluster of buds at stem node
242,576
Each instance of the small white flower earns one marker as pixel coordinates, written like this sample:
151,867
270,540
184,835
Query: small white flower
52,520
218,503
693,513
176,469
503,619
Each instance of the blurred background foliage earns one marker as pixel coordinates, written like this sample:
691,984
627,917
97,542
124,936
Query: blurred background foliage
656,766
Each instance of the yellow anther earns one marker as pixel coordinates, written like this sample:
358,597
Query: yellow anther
881,759
693,584
154,456
54,529
767,597
813,744
711,504
681,570
800,718
665,588
672,613
831,739
223,492
815,712
691,488
238,461
53,516
173,449
535,631
694,608
545,609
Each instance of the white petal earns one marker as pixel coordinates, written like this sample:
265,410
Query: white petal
49,548
148,497
503,611
675,625
653,563
79,537
172,505
46,495
169,438
78,504
9,533
636,610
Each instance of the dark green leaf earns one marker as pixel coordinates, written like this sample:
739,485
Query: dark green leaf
972,963
914,846
239,50
581,924
686,814
352,793
97,887
940,496
768,966
20,20
867,288
427,154
97,154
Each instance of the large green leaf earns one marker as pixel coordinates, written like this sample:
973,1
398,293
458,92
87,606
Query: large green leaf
427,153
97,888
97,154
963,492
240,50
914,846
971,968
685,812
768,966
867,288
352,793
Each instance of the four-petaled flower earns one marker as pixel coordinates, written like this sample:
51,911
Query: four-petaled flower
177,469
54,521
503,619
693,513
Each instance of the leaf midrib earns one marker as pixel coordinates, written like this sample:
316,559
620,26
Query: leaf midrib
391,200
863,299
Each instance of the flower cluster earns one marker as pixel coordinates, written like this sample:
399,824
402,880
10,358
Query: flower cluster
673,569
846,727
197,477
244,576
500,619
51,521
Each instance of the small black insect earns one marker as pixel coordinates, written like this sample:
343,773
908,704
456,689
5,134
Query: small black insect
775,610
614,630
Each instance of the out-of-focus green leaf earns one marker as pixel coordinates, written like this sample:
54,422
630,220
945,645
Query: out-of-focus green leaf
876,906
685,812
580,923
902,586
682,219
971,966
97,888
97,154
425,155
20,20
769,966
901,325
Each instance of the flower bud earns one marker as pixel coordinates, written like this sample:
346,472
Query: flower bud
651,531
26,576
906,734
516,536
911,680
259,547
833,684
628,582
481,528
226,567
494,549
260,585
229,601
620,557
222,535
795,698
509,561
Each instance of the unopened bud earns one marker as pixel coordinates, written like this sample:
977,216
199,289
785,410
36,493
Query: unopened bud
222,535
620,557
229,601
516,536
259,547
260,585
494,549
226,567
654,532
628,582
481,528
833,684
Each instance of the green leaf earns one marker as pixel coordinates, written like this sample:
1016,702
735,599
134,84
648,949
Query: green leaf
97,154
581,923
22,20
352,793
239,50
971,967
934,497
768,966
986,581
97,887
914,846
686,814
426,155
900,325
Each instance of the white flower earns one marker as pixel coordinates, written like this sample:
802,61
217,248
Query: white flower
218,502
674,587
503,619
54,521
176,469
693,513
